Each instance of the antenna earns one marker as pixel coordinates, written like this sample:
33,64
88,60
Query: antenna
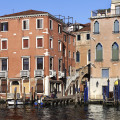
13,10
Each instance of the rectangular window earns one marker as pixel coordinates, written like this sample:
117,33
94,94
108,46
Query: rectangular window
59,45
51,63
69,40
39,24
69,54
25,43
4,64
4,44
105,73
73,55
25,63
59,28
40,86
51,42
4,26
39,42
25,25
73,41
78,37
64,38
51,24
40,63
60,65
88,36
69,70
117,10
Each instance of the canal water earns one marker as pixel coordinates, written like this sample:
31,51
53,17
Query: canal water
90,112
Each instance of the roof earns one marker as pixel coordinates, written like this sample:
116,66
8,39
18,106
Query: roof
86,28
28,12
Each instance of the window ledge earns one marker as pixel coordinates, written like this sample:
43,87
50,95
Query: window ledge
99,60
96,33
116,32
115,60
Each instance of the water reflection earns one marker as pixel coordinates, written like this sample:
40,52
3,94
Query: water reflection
90,112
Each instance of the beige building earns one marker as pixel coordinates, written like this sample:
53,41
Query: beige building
105,52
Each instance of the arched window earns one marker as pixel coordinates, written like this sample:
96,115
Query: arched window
96,27
77,56
116,26
89,55
115,52
99,52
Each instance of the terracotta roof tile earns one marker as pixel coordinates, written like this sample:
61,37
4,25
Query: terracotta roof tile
28,12
86,28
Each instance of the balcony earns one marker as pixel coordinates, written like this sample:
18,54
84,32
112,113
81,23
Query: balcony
39,73
24,73
3,74
61,74
52,73
105,13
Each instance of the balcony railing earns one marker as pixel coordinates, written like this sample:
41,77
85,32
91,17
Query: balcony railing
3,74
24,73
52,73
105,12
61,74
39,73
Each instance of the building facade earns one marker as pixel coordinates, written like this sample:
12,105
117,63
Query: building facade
105,55
36,53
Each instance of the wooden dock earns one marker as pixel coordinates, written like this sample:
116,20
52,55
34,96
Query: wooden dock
57,101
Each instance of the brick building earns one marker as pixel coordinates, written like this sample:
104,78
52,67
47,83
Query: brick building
35,53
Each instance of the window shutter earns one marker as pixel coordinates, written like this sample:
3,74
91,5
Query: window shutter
99,52
1,26
4,44
25,43
6,26
39,86
3,86
41,23
115,52
116,26
39,42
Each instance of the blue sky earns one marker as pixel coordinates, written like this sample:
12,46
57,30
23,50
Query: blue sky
80,10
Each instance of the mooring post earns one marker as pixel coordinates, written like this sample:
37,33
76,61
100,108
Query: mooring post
15,91
6,97
24,96
75,95
118,90
108,89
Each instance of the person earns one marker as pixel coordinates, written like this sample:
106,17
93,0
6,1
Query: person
55,92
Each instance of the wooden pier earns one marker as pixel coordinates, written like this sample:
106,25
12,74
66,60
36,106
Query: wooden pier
57,101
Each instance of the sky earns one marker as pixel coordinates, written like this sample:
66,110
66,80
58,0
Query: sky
80,10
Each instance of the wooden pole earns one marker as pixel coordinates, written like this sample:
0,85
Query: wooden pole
6,97
24,96
15,91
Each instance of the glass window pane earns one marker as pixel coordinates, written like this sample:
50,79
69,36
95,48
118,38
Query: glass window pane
39,63
105,73
4,64
25,63
99,52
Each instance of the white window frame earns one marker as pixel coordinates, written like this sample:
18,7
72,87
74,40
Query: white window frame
36,62
1,62
51,44
108,72
52,62
60,65
23,25
28,42
42,41
59,29
22,61
42,23
51,24
4,39
59,47
69,54
4,22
